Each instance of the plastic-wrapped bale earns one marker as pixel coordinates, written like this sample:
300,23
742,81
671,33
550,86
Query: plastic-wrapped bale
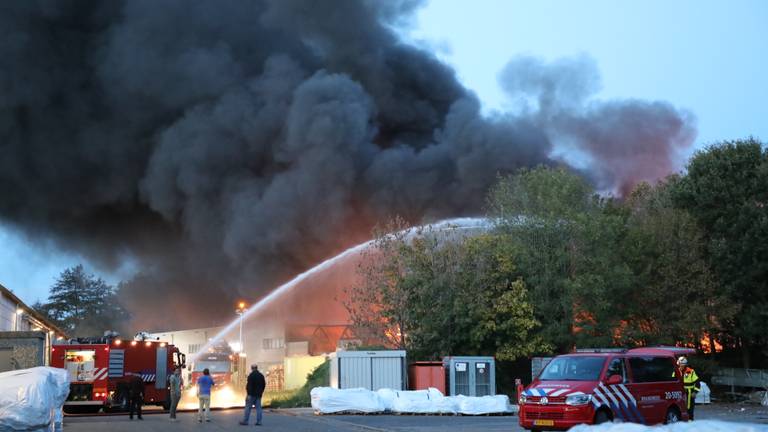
327,400
387,398
705,395
31,399
430,401
414,401
468,405
442,404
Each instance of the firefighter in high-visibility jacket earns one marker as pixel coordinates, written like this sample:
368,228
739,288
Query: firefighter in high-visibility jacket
691,384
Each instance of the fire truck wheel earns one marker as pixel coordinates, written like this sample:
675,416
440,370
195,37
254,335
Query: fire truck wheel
602,416
673,416
166,405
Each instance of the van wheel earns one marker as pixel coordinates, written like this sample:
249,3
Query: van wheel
602,417
673,416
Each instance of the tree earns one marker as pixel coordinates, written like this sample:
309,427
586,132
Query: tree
726,191
677,298
441,292
378,305
82,304
543,212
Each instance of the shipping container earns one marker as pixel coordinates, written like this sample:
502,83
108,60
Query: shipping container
372,370
425,374
470,376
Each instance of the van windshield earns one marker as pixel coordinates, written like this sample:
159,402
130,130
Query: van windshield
576,368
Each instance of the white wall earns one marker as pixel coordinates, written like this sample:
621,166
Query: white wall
7,314
254,334
187,340
9,320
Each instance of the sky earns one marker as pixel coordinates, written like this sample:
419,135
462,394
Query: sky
708,57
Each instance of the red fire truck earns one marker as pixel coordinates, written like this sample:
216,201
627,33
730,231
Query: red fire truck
99,370
220,362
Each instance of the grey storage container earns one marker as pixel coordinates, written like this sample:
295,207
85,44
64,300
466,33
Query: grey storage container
470,376
372,370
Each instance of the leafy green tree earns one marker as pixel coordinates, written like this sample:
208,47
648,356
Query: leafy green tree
378,305
543,212
677,298
442,292
726,191
83,305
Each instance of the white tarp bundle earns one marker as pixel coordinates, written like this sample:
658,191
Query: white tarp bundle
328,400
694,426
484,405
705,395
31,399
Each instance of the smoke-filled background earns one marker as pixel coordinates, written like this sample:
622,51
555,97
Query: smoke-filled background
227,145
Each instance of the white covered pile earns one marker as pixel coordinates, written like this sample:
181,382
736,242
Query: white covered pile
695,426
327,400
31,399
704,396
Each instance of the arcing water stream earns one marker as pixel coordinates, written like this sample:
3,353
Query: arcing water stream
456,223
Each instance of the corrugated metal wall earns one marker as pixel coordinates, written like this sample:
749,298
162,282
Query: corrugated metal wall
355,372
387,373
375,371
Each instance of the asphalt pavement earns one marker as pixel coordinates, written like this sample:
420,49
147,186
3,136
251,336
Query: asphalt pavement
293,420
304,420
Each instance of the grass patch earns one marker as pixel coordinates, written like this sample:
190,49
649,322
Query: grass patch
320,377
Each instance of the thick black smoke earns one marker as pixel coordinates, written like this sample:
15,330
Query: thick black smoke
228,144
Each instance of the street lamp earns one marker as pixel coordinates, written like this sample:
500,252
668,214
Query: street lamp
240,311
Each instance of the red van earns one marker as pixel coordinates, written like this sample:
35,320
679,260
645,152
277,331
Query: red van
597,386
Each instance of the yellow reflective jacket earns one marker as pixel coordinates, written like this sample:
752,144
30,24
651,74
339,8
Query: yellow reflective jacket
691,384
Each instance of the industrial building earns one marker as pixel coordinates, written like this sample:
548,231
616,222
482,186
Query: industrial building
25,334
286,353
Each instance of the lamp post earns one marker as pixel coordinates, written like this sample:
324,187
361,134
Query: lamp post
240,311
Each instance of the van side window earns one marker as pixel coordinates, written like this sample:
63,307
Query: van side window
652,369
617,368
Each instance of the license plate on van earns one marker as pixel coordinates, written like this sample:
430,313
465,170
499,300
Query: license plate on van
543,422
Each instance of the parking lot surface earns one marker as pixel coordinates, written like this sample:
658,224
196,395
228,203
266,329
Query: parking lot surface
305,420
293,420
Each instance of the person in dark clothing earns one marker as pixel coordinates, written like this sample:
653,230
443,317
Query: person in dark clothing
255,389
135,395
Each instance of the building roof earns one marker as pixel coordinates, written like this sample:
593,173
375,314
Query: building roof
32,312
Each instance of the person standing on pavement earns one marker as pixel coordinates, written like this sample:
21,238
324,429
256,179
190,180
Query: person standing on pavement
204,384
135,395
691,384
175,384
255,389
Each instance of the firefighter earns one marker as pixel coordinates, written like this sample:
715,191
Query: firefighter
691,384
135,395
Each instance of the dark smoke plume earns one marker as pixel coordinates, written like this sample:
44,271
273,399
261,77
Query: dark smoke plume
226,145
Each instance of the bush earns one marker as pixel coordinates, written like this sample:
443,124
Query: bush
320,377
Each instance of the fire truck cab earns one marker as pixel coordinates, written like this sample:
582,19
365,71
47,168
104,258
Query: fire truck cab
219,364
596,386
99,370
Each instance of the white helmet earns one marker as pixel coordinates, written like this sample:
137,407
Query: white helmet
682,361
